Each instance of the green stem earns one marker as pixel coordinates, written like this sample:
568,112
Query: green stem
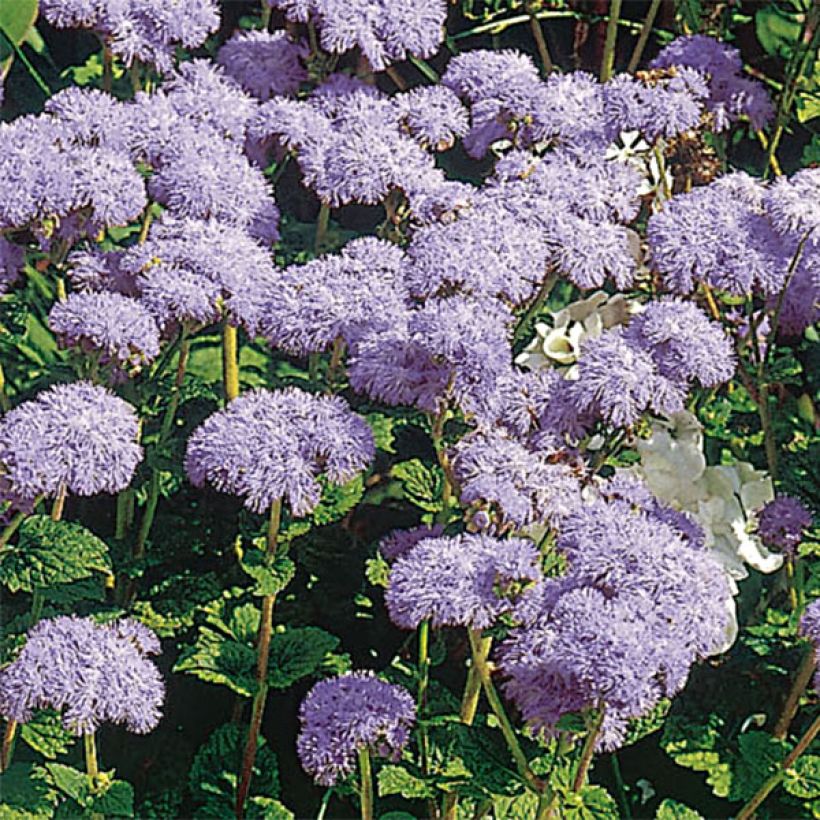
108,68
58,507
543,294
795,70
230,361
91,765
21,56
262,653
336,355
421,697
781,298
8,744
643,37
588,750
497,707
37,602
165,430
620,788
801,681
608,62
366,774
320,815
322,223
467,712
266,13
121,519
397,79
12,527
748,811
661,159
541,44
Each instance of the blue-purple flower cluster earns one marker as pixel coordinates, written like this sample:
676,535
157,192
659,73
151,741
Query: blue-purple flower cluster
637,606
269,445
78,438
92,673
342,716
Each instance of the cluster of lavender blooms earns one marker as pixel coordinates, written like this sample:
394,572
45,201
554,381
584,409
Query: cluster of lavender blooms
509,102
268,445
144,30
652,364
740,236
783,522
78,438
119,327
640,602
265,63
466,580
306,308
92,673
385,31
342,716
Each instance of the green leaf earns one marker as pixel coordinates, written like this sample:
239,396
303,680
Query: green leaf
759,755
45,734
16,18
811,153
591,803
649,723
382,427
212,778
377,571
397,780
52,552
422,486
70,781
298,653
116,801
699,746
672,810
271,578
224,650
803,778
24,793
777,30
337,500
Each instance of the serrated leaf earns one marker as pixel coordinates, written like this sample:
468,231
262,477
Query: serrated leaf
116,801
224,649
46,734
271,578
377,571
397,780
337,500
803,778
642,727
49,552
672,810
24,793
213,775
700,747
590,803
422,486
382,427
298,653
759,755
70,781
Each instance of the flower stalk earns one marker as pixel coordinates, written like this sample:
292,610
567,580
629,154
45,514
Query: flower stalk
588,749
608,62
801,681
230,361
262,653
366,774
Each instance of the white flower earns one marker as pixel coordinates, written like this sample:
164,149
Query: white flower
723,499
560,342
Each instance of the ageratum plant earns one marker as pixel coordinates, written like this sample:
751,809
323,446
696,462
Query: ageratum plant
408,409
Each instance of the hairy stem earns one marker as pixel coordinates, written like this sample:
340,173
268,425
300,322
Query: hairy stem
588,750
541,297
801,681
230,361
58,507
643,37
397,79
322,223
541,44
497,707
262,653
768,787
608,62
8,744
366,773
108,68
90,747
